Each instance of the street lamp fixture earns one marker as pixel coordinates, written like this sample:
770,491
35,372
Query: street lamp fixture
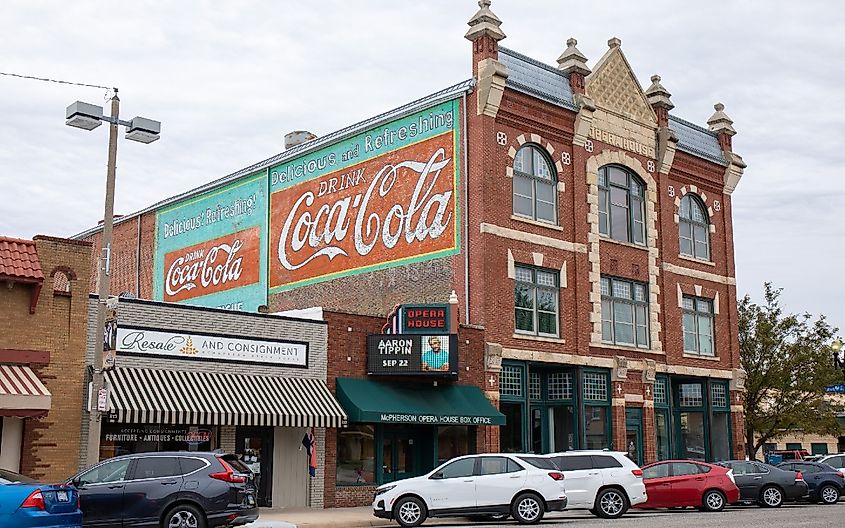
88,117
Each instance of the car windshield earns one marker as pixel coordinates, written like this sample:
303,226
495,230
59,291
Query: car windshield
7,477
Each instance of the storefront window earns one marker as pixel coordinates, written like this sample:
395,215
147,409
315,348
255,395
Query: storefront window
452,441
720,437
561,428
510,434
595,426
356,455
692,435
122,439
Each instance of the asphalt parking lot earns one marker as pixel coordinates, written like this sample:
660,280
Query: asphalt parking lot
787,516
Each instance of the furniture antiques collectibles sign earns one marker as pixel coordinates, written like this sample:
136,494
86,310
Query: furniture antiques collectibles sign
383,198
412,354
209,249
193,345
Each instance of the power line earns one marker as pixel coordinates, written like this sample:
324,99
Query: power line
58,81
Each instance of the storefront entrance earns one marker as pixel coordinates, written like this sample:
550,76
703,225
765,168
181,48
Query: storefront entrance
634,434
402,451
255,447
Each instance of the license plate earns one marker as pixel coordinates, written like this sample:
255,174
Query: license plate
61,496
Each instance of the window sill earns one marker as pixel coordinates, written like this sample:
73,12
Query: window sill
611,346
536,222
529,337
605,238
697,261
697,356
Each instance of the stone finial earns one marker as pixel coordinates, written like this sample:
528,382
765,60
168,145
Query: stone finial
572,60
657,95
484,23
614,42
720,122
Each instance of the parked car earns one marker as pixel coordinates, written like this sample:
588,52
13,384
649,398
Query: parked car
473,485
826,483
168,489
25,503
766,485
836,461
605,482
682,483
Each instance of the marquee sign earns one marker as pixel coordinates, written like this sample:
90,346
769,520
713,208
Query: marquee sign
193,345
209,249
412,354
383,198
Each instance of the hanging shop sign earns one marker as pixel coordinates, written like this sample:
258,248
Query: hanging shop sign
380,199
193,345
420,319
211,249
412,354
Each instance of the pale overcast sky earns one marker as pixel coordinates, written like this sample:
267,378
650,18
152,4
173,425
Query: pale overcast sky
229,79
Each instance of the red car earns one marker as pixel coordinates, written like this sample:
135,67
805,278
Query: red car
679,483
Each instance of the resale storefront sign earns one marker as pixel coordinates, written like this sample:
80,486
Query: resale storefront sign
383,198
192,345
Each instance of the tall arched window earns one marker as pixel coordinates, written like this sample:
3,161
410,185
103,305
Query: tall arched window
534,185
694,228
621,205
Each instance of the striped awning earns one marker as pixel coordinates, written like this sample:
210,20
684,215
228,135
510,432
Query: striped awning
21,392
141,395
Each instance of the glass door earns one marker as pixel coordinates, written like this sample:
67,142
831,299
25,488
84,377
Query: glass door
254,445
634,434
562,432
399,454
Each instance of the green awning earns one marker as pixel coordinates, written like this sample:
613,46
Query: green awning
367,400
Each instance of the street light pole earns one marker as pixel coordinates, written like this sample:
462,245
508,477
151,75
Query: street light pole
103,286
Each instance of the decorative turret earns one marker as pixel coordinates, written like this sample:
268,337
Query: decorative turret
485,32
722,125
659,98
574,64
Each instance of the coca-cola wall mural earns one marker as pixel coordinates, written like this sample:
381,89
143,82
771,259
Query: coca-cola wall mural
211,249
383,198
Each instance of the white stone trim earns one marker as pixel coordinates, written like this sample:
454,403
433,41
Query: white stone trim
522,236
563,280
511,265
556,357
593,238
544,339
537,258
536,222
696,274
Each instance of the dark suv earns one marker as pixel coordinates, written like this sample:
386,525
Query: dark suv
167,489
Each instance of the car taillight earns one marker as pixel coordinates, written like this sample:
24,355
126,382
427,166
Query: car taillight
35,500
637,472
839,474
799,476
228,475
556,475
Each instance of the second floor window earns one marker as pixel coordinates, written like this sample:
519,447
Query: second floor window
698,326
621,205
534,185
694,228
624,312
536,295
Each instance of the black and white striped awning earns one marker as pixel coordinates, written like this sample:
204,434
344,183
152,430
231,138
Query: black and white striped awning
141,395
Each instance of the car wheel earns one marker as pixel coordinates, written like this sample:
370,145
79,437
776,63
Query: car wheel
183,516
829,494
611,503
713,501
527,508
409,512
771,497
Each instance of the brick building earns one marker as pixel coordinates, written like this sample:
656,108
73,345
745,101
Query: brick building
43,302
585,227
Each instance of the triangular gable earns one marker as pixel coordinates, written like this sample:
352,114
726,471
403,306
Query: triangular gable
613,86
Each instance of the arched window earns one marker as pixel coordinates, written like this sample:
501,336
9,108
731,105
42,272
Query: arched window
621,205
694,228
534,185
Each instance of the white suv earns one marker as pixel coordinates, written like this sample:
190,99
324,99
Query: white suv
525,486
605,482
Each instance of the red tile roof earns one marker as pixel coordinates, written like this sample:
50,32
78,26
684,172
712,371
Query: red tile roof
19,260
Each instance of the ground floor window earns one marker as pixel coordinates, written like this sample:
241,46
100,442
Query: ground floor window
818,449
596,423
452,441
356,455
122,439
795,446
692,436
510,434
720,437
661,427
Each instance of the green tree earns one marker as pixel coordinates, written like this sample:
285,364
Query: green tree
789,362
